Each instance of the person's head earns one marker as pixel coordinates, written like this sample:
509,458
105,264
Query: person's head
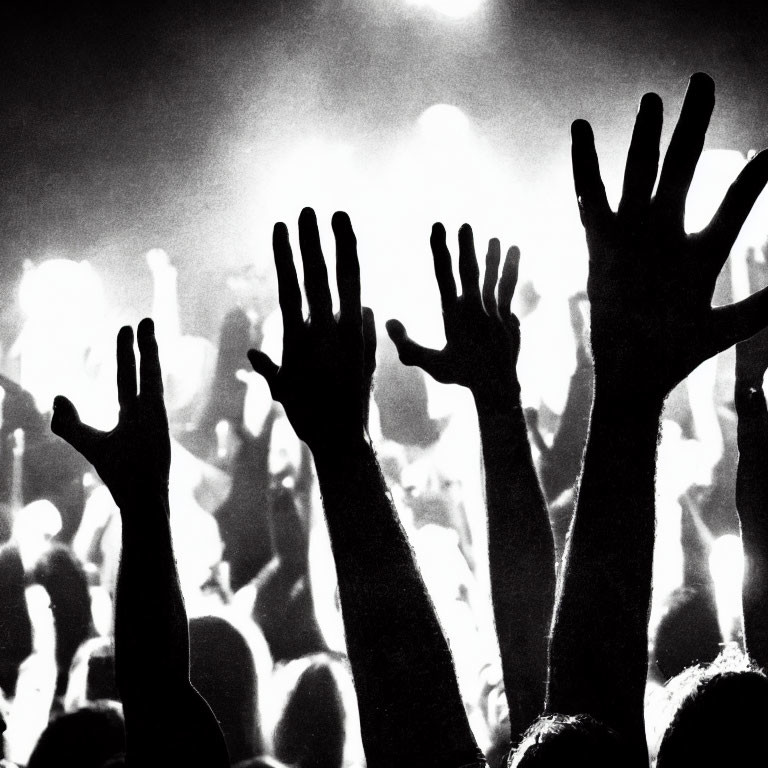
87,739
312,729
568,740
223,670
688,633
720,716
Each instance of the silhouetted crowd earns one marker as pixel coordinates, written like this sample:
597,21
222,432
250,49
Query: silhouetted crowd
299,563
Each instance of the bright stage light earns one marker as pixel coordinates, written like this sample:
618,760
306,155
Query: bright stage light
443,124
455,9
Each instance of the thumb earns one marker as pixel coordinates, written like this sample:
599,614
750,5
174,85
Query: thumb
67,425
432,361
263,365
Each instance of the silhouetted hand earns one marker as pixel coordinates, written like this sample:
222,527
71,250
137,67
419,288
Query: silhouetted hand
134,459
324,381
651,284
482,334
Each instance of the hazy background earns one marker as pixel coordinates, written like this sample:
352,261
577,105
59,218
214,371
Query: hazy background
195,126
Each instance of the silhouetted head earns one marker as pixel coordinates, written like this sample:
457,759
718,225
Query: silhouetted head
688,633
223,670
311,731
86,739
65,580
720,718
569,740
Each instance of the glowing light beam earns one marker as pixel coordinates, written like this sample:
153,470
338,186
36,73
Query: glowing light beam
454,9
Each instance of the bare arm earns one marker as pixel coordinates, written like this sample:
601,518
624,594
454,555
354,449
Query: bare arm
167,721
752,489
650,288
482,344
411,712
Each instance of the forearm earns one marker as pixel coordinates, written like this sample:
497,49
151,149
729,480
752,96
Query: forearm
598,653
167,720
522,558
752,507
411,711
151,632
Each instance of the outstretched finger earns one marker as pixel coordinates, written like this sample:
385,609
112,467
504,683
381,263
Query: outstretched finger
685,147
369,343
590,191
726,224
492,262
315,272
126,369
67,425
643,157
741,320
347,269
508,281
469,272
432,361
263,365
443,267
150,375
289,293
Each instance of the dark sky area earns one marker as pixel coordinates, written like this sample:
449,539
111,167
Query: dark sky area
124,128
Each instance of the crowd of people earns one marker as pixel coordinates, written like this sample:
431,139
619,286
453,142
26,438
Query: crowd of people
315,580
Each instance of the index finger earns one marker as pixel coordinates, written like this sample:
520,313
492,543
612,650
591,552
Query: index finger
288,291
150,374
443,267
126,368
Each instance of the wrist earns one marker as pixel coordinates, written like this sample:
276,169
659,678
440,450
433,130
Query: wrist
628,408
144,497
497,395
340,454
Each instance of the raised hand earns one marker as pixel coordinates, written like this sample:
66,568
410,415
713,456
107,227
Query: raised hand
134,459
324,380
482,334
651,284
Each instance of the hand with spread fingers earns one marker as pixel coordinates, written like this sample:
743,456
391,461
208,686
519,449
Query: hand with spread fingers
650,283
482,345
324,380
482,334
396,648
134,459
